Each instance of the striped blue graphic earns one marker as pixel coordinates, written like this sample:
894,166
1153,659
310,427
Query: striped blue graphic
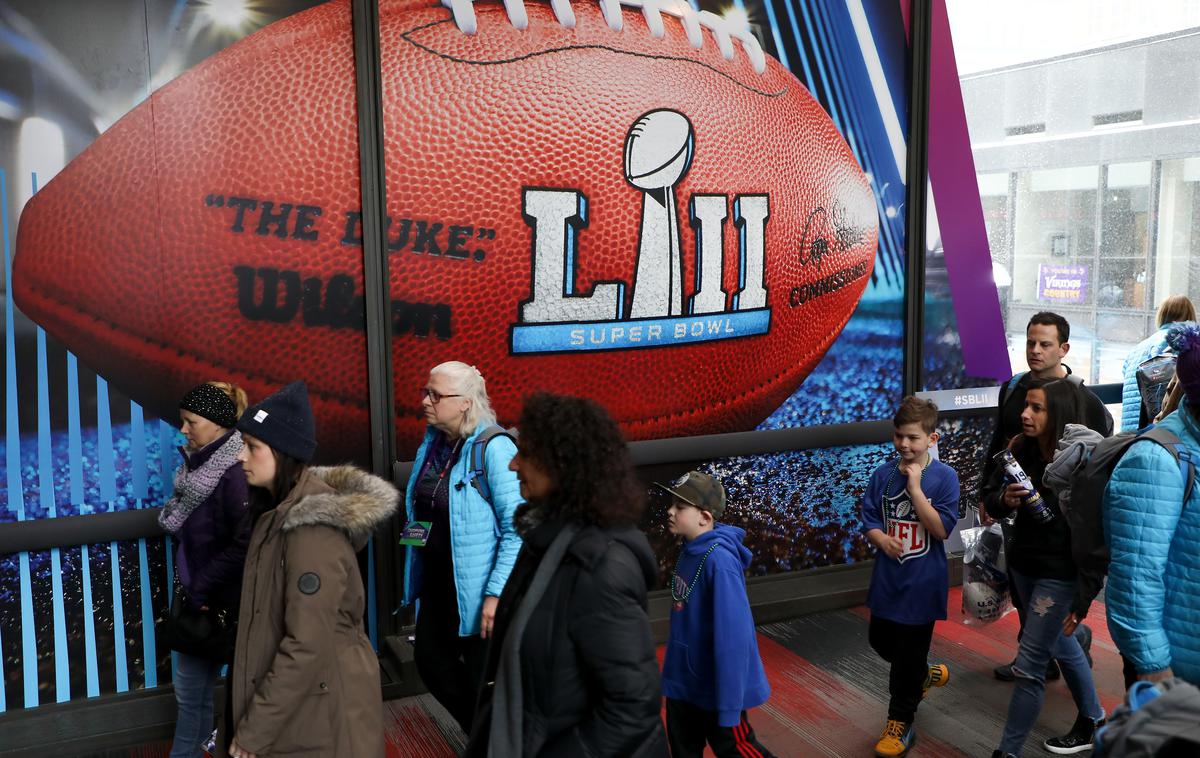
108,495
817,42
75,459
62,663
16,487
140,493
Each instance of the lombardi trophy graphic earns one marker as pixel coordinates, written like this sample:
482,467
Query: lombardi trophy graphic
658,152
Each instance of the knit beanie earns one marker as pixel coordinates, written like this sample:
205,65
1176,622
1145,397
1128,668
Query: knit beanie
284,421
211,403
1184,339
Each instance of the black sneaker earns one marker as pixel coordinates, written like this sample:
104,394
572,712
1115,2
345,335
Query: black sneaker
1078,740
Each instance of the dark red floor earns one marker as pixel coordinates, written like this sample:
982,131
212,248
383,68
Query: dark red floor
829,692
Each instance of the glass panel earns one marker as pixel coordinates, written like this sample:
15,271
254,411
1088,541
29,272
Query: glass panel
1085,107
1125,238
1178,250
993,184
1055,237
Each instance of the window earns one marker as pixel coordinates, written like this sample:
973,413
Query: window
1087,160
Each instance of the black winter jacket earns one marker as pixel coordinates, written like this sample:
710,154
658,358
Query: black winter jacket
1042,551
589,674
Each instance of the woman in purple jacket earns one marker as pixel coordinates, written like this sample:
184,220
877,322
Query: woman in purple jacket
206,520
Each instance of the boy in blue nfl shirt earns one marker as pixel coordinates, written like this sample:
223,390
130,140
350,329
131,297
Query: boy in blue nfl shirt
712,672
909,508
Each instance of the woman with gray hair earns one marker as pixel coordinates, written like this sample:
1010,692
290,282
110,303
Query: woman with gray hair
460,540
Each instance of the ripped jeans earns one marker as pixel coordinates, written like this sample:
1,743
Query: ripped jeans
1048,602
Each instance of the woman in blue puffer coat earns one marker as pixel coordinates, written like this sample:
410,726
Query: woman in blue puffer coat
1153,527
470,543
1175,309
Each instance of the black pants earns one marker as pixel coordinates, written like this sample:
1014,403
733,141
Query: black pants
450,666
1128,671
689,727
906,647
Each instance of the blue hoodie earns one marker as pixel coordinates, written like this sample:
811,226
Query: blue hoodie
712,652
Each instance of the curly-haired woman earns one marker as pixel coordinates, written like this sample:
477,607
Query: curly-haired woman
470,543
571,669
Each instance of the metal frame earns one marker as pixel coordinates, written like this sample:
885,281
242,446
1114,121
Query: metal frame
920,23
368,83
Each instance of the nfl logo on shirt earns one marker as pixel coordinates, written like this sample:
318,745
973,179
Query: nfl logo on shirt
903,524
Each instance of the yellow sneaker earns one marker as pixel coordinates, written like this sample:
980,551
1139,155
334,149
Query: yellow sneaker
938,675
897,738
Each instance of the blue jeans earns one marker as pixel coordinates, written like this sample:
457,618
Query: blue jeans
1047,604
194,681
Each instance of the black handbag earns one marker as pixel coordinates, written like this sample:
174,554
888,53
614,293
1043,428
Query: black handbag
202,633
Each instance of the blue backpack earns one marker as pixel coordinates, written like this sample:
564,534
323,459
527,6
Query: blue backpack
478,471
1088,483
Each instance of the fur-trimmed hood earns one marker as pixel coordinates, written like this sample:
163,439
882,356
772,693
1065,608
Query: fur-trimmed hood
343,497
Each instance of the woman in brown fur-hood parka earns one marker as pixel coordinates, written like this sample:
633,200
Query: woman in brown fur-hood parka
305,679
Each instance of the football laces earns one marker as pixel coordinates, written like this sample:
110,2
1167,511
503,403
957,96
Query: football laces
693,22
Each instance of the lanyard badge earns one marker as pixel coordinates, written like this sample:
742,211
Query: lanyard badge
416,533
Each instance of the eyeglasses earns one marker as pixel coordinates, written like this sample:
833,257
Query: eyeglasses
434,396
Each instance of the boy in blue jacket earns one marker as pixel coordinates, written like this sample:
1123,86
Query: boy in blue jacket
712,672
909,508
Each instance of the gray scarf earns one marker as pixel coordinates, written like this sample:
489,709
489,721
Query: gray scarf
507,707
193,487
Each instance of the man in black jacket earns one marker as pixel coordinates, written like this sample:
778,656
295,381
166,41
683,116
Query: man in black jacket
1046,344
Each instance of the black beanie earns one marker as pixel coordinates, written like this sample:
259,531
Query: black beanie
284,421
211,403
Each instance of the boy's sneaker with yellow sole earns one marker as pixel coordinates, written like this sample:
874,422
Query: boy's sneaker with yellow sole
938,675
897,738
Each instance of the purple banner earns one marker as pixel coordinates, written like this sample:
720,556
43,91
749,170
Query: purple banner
1062,284
960,213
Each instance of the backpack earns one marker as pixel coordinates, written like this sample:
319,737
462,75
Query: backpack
1160,719
1012,383
1153,376
1088,482
477,474
1073,379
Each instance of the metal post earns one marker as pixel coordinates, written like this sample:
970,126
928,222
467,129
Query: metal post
376,288
918,171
